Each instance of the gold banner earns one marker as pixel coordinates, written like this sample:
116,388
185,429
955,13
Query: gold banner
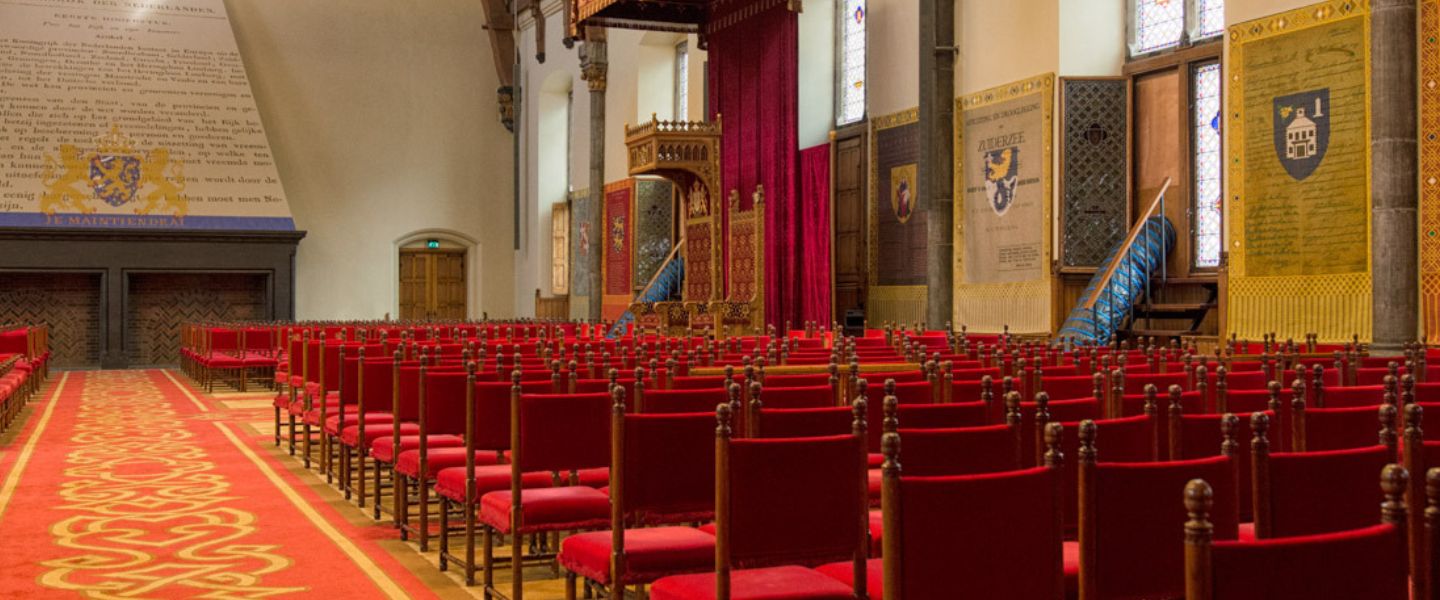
1299,180
1430,167
988,296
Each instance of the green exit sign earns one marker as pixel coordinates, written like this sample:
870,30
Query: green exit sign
432,244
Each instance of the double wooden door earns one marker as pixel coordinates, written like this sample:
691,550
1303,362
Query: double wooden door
851,236
432,284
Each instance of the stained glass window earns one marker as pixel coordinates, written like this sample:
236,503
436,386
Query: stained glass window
1206,120
850,95
682,81
1158,24
1210,17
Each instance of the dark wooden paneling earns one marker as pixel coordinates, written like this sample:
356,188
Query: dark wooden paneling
1159,108
158,304
115,254
851,234
67,302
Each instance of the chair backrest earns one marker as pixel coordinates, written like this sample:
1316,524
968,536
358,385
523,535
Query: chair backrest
1339,428
932,525
812,396
662,467
692,382
442,402
491,430
1125,507
961,450
654,401
1354,396
798,422
1293,492
806,380
931,416
558,432
1366,562
789,501
1069,387
1199,436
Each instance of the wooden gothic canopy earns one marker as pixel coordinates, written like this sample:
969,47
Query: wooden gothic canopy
682,16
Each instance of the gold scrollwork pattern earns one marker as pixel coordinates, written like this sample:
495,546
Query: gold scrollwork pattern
136,465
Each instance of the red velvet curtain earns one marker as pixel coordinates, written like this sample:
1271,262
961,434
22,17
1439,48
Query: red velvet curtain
813,234
753,89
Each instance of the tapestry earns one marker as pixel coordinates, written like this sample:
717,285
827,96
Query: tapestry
131,115
1094,160
1430,168
560,248
618,248
897,220
1299,184
654,223
581,243
1002,207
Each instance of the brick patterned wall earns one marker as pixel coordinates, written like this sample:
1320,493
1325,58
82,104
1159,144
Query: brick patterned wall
68,302
159,303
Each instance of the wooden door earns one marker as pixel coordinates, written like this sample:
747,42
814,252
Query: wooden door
851,236
432,284
1159,115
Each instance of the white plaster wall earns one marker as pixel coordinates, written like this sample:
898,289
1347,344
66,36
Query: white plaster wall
383,120
816,72
893,72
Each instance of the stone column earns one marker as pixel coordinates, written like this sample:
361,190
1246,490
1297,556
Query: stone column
593,66
1394,184
936,170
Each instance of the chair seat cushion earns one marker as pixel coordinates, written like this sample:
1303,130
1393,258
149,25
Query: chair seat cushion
351,435
844,572
383,449
450,483
263,361
872,483
548,509
224,361
776,583
282,400
332,422
439,459
874,460
595,478
650,553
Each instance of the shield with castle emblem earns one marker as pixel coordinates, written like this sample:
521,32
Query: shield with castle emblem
115,177
1302,131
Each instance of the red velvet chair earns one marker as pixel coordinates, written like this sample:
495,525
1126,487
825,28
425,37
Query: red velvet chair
259,355
549,433
443,397
1067,411
1287,484
1364,562
936,524
782,505
663,474
1314,429
659,401
1125,517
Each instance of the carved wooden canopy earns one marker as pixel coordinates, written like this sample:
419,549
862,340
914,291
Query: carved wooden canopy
688,154
684,16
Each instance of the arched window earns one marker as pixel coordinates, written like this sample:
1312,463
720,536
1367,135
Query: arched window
1163,24
850,62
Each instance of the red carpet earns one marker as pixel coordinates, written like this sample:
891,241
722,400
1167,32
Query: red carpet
124,485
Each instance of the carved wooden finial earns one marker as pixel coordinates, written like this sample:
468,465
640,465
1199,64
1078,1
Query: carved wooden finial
723,416
1432,503
1176,408
1259,430
1087,442
1393,481
1388,435
617,397
890,449
1229,428
1414,415
1054,433
1407,389
889,387
1012,409
859,410
1199,497
1151,393
892,415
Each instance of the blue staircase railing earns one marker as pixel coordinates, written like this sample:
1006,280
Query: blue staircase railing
1122,278
666,282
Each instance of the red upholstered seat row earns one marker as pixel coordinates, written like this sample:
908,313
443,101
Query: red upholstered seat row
24,365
